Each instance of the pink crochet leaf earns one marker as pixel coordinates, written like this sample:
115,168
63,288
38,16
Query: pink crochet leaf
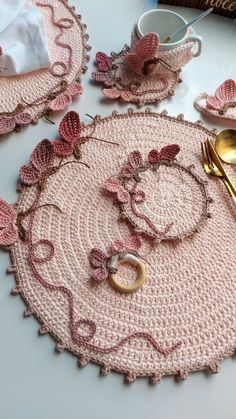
133,242
8,228
113,184
126,95
169,152
118,246
147,47
60,102
103,61
103,77
29,175
139,196
40,160
134,62
70,127
8,235
123,196
99,274
23,118
112,93
42,156
7,124
97,258
135,159
225,93
214,103
7,214
62,148
74,89
127,171
153,156
65,98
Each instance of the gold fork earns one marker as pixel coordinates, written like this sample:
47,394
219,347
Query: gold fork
211,170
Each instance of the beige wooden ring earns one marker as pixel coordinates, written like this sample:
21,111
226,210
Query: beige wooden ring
134,260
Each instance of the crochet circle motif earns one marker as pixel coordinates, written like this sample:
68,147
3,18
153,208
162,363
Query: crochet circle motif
160,197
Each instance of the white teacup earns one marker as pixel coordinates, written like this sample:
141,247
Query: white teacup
164,23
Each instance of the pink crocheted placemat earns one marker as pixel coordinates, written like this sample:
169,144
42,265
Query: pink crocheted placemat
183,317
26,98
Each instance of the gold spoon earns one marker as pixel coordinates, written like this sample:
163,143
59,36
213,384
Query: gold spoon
226,145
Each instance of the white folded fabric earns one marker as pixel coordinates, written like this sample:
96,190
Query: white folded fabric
23,38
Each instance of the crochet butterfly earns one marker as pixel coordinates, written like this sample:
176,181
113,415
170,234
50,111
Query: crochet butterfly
103,61
65,99
169,152
9,122
115,186
41,160
143,53
100,260
8,227
69,130
224,98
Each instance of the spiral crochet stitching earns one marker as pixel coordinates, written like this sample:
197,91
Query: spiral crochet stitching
187,302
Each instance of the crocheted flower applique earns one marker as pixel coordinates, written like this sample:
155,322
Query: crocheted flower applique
100,261
224,98
65,98
8,224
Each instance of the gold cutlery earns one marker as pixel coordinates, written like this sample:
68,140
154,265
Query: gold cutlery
217,170
226,145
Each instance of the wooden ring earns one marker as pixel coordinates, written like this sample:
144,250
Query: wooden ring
133,260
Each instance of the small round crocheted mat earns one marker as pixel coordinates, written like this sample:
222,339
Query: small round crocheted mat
142,73
26,98
183,317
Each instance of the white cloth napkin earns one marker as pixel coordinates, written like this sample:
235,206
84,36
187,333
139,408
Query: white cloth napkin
23,38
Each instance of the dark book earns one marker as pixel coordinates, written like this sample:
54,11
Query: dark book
221,7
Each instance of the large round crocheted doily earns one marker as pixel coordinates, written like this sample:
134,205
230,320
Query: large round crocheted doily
26,98
183,317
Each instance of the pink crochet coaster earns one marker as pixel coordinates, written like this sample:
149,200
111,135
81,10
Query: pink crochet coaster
222,104
67,217
26,98
142,73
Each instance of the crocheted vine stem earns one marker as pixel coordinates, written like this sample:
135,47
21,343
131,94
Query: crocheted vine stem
130,198
75,324
62,25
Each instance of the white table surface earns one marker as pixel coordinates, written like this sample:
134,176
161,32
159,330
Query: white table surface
37,383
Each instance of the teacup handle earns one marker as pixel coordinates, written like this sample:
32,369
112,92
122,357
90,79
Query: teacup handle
198,39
